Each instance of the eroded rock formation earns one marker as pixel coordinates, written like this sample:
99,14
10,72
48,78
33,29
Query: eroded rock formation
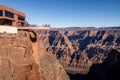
20,59
77,50
19,56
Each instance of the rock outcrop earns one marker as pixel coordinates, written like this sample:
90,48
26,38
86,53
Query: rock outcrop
20,59
51,69
19,56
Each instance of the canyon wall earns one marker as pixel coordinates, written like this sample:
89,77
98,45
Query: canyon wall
77,50
108,70
21,59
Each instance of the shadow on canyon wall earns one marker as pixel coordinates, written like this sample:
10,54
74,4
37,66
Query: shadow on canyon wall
77,50
108,70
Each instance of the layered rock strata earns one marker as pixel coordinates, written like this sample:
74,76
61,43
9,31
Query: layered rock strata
77,50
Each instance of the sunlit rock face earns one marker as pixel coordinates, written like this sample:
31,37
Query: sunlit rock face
51,68
77,49
21,59
19,56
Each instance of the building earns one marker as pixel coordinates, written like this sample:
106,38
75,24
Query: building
9,16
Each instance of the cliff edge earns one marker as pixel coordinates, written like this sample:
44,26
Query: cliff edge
20,59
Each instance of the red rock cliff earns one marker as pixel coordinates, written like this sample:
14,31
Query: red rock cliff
20,59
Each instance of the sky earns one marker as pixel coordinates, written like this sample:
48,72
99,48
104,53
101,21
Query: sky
69,13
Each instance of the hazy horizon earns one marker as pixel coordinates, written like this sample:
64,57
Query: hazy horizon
69,13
